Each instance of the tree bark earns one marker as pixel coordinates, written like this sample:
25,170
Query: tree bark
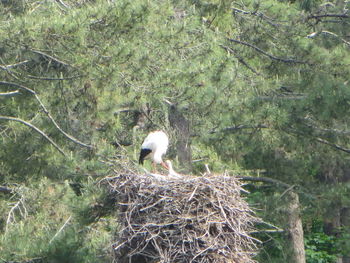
345,223
332,223
182,130
294,229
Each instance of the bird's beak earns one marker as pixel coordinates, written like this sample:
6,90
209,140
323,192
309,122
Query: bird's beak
165,165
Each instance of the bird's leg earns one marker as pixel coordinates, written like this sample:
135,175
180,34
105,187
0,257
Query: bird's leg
164,165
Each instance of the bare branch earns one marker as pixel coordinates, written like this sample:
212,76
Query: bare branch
286,60
14,65
312,124
35,129
267,231
255,13
335,146
47,78
240,127
62,3
59,128
240,59
60,230
5,83
6,190
18,206
335,35
328,15
50,57
47,113
264,180
10,94
320,140
7,69
283,97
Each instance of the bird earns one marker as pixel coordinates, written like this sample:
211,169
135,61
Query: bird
312,35
172,173
155,144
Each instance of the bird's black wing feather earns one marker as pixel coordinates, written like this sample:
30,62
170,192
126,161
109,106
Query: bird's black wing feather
143,154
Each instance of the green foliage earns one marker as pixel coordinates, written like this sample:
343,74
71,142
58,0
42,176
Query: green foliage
271,100
50,224
320,247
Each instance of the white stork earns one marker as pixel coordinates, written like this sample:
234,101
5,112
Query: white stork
172,173
156,143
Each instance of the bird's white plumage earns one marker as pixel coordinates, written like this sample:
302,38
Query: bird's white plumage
157,142
172,173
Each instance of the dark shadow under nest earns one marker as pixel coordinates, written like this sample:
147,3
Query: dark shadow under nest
188,219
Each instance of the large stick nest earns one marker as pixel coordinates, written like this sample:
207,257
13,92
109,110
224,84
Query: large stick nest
188,219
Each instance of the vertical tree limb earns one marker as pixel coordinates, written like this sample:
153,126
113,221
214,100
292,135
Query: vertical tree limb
295,234
182,129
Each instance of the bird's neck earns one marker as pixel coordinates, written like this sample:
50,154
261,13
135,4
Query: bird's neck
157,158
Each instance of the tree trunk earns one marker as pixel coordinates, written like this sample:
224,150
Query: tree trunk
337,223
294,229
345,223
182,130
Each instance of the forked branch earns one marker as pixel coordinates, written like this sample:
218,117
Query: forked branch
18,206
35,129
47,113
50,57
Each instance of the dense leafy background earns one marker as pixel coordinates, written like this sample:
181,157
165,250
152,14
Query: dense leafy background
258,93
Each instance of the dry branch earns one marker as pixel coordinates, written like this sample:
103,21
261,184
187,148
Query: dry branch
240,127
47,78
320,140
60,230
264,180
333,145
18,206
35,129
59,128
336,36
9,94
6,190
47,113
5,67
190,219
285,60
257,14
5,83
328,15
240,59
50,57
